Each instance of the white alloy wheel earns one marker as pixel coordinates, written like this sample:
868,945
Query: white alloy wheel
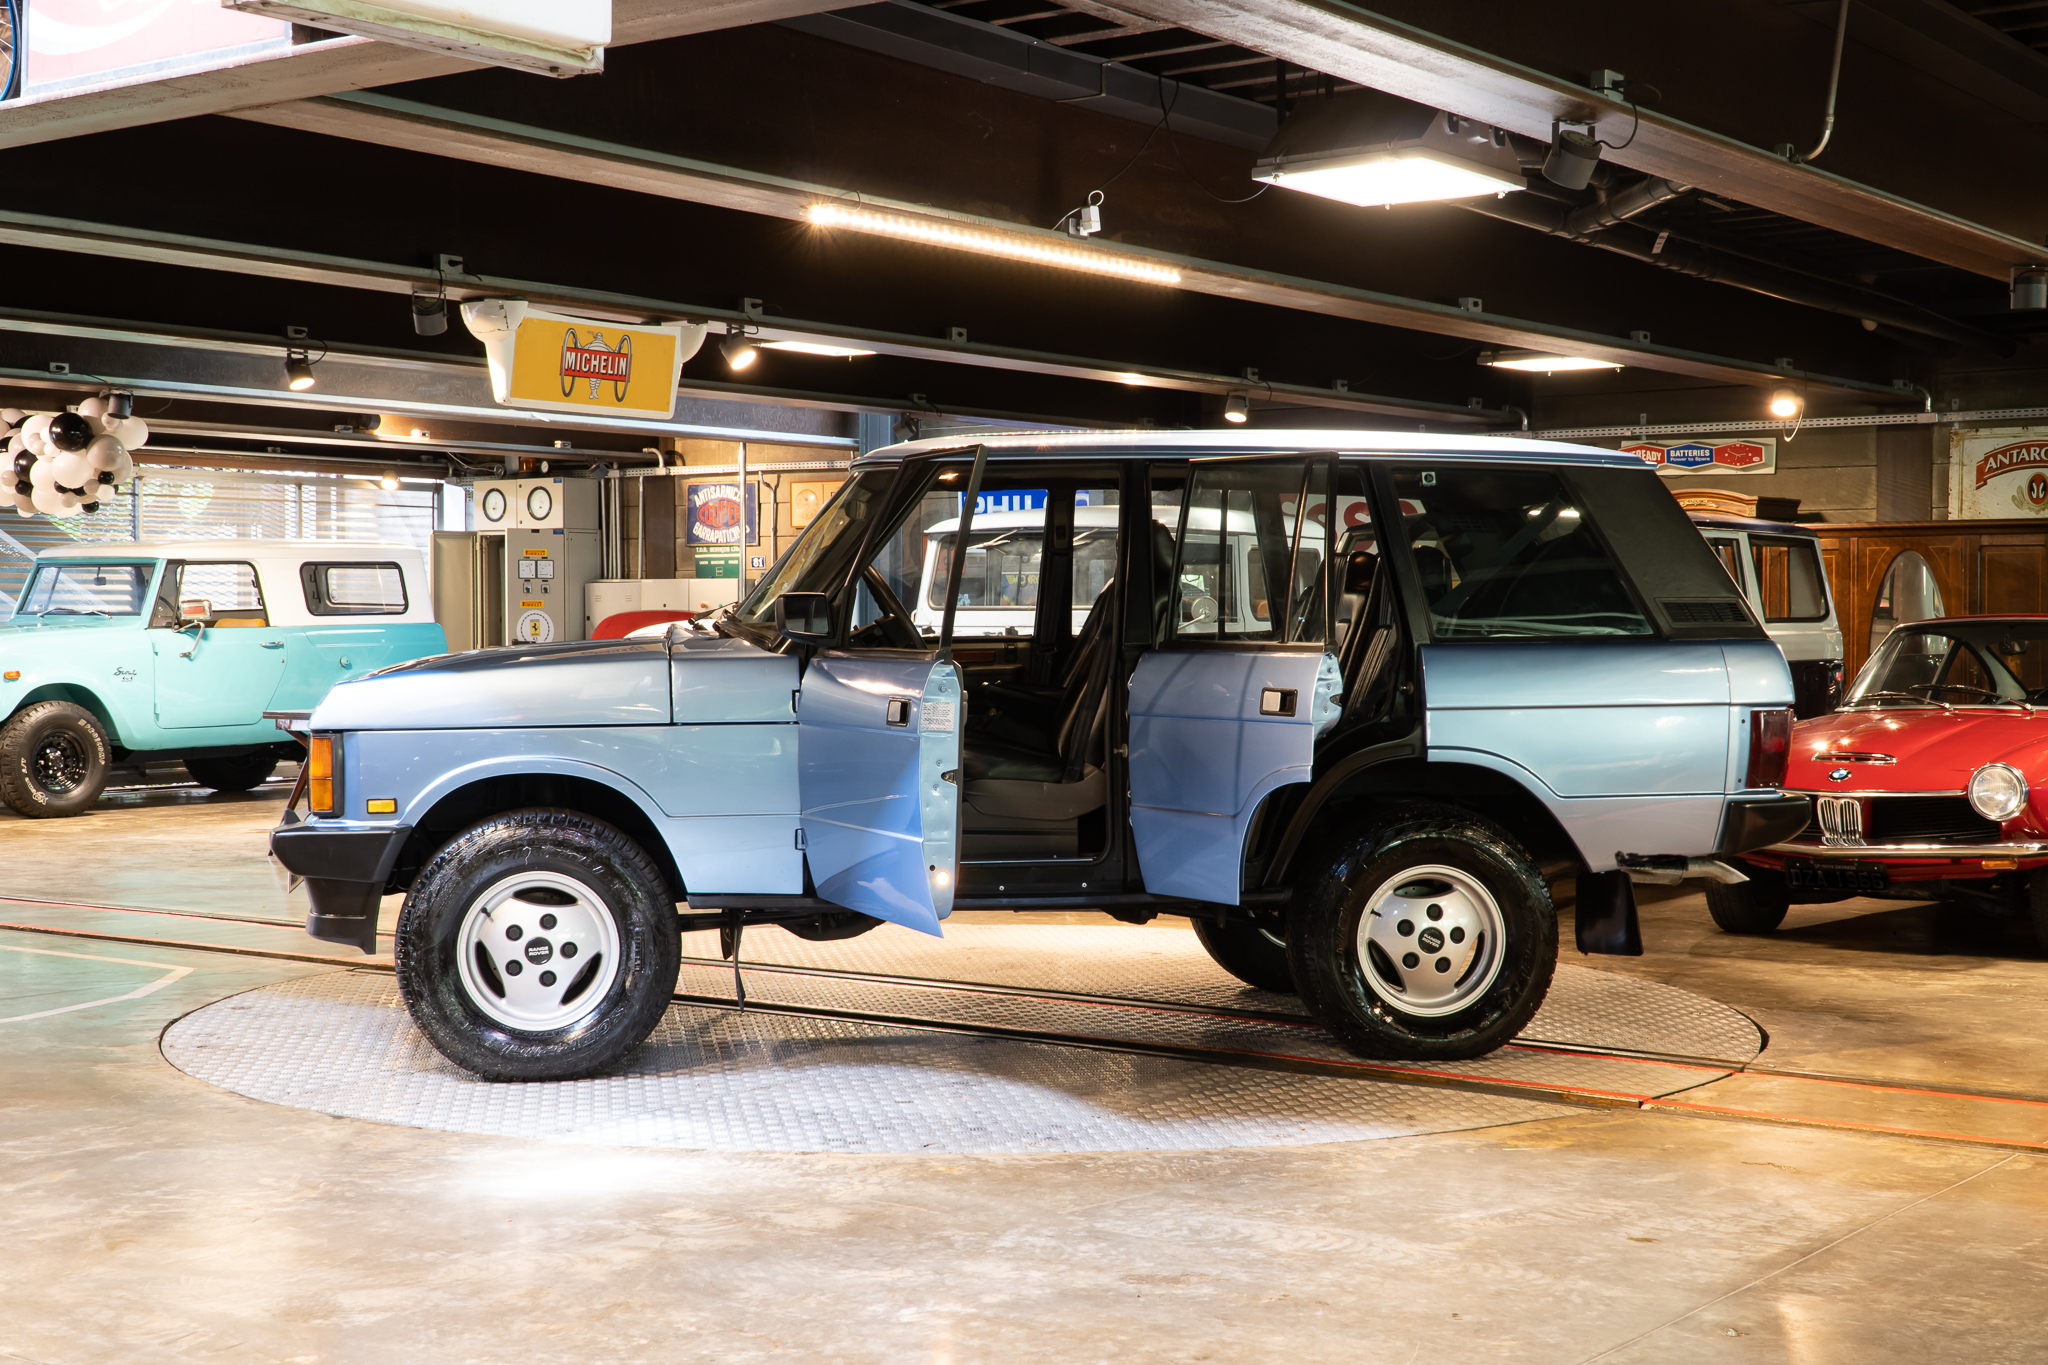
1430,940
538,951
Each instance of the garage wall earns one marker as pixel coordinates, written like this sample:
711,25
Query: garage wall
178,504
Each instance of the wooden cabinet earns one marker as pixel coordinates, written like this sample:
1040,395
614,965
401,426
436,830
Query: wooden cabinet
1978,566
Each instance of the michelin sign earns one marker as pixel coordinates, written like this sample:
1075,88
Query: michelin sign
557,363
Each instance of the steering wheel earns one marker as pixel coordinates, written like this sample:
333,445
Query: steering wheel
893,627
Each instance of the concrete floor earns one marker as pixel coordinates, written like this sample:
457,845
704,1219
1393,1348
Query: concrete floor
148,1216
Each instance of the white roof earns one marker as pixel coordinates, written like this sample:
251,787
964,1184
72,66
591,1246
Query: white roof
249,548
1239,441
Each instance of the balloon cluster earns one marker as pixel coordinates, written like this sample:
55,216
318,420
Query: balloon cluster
65,462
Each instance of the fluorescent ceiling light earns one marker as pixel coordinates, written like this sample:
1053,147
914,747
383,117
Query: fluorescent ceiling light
1369,148
813,348
553,37
1544,362
992,242
1409,176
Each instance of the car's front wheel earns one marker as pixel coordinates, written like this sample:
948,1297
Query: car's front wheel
1756,906
1427,935
538,945
53,760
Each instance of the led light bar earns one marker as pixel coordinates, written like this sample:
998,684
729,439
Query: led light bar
987,242
813,348
1545,362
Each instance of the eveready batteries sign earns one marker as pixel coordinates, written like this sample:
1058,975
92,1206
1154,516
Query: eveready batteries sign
559,363
1999,473
1709,457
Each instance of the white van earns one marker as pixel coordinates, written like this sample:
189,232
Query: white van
1778,567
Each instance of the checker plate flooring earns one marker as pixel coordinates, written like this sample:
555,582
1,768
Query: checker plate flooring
714,1078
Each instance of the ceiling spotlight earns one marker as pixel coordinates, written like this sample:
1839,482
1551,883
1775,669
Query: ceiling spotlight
430,314
1237,408
1369,148
1036,248
120,403
389,483
1573,155
1543,362
814,348
298,371
739,352
1785,403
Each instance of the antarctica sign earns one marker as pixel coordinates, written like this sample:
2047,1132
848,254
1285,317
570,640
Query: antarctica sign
558,363
2000,472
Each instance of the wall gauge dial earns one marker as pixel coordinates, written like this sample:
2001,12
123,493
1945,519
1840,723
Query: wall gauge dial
539,502
493,505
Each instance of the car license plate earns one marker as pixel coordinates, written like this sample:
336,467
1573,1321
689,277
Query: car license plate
1813,874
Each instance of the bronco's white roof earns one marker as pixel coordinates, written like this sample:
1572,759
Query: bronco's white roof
253,547
1236,441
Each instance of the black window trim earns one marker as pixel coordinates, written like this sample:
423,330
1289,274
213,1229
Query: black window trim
310,567
1795,544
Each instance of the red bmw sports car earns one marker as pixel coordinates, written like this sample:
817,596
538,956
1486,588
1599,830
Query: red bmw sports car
1920,783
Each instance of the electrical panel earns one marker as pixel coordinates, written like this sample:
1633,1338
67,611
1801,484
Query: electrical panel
550,504
545,575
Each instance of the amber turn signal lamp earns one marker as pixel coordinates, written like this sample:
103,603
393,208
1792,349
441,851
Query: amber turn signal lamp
1770,747
320,774
13,675
383,805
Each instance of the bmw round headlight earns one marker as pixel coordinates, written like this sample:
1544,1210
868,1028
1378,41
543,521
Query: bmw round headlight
1997,791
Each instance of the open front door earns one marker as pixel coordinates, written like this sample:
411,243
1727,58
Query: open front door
1229,706
878,746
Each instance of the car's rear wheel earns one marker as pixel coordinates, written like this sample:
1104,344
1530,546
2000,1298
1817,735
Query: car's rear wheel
1249,953
2037,903
53,760
239,773
1756,906
538,945
1427,935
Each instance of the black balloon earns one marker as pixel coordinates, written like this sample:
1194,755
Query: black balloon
106,476
24,487
88,507
69,431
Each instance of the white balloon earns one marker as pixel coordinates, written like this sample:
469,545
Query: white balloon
14,417
37,425
73,470
124,471
47,499
35,441
43,474
93,408
24,506
105,452
132,432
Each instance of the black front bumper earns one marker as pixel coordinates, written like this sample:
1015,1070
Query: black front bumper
1755,822
346,871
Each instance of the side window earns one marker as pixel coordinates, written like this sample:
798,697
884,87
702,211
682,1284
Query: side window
1006,571
1253,544
228,590
1729,552
1788,573
1505,553
353,589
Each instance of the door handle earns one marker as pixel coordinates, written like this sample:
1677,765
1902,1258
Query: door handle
898,711
273,644
1277,701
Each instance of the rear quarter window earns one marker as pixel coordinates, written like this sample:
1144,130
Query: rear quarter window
1657,547
353,589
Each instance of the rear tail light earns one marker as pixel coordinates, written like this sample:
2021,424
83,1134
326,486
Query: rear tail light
1770,747
320,793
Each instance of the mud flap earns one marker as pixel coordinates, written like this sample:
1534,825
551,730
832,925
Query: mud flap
1606,915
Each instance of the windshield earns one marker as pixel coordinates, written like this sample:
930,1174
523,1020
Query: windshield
72,589
818,560
1988,663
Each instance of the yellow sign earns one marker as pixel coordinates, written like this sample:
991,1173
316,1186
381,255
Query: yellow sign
558,363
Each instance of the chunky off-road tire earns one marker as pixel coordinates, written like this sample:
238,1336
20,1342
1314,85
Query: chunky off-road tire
236,774
1249,954
1756,906
538,945
53,760
1427,935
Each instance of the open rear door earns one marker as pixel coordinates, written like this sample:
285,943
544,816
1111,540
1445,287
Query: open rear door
1229,707
878,744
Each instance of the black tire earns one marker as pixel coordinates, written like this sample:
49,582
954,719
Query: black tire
1756,906
53,760
612,901
1249,954
236,774
2037,903
1450,1000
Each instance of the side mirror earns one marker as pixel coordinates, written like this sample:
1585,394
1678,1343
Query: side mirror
805,617
194,611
